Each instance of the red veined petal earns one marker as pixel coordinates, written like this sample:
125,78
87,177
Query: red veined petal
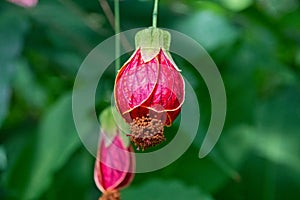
112,164
135,82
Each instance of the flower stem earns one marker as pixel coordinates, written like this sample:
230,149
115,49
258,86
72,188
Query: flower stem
117,31
111,19
154,15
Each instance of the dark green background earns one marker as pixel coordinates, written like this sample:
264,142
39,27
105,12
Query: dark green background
256,46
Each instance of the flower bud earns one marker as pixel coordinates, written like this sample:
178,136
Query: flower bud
149,89
115,164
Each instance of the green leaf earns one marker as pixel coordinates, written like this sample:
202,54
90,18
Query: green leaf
67,26
206,26
20,148
275,134
151,40
276,7
27,87
12,29
3,159
297,58
107,122
279,128
204,174
68,62
162,190
236,5
6,72
123,127
56,141
74,180
111,121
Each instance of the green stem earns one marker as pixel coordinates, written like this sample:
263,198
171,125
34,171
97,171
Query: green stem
117,31
154,15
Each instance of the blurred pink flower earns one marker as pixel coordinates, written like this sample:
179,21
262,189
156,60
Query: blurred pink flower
24,3
113,167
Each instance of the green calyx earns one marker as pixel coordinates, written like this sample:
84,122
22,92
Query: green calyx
151,40
111,124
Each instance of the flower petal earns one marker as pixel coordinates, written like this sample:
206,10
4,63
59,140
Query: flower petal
135,83
129,176
172,115
112,164
168,94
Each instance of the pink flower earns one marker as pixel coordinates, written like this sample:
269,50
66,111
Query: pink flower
114,166
149,89
24,3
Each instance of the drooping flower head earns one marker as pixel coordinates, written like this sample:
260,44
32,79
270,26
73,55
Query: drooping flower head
149,89
115,162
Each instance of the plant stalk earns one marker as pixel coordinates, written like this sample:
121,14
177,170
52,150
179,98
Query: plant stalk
154,15
117,33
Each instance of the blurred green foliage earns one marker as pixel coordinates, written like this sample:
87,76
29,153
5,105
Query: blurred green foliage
255,44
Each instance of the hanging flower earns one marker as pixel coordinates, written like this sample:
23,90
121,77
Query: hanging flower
149,89
115,164
24,3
